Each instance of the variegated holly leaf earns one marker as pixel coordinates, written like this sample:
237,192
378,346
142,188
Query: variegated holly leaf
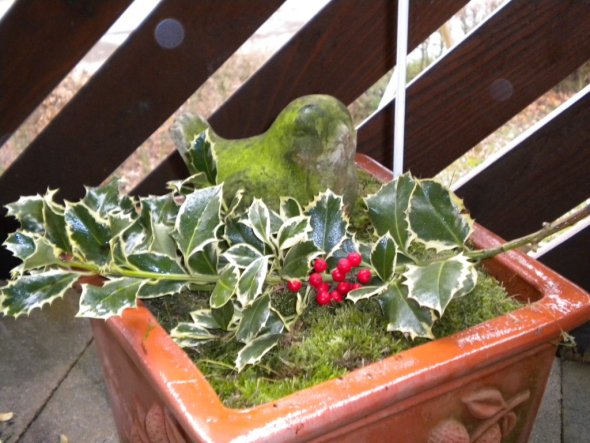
294,230
241,255
405,315
89,234
32,291
434,285
155,263
384,257
223,315
347,246
204,318
289,207
253,352
55,224
297,262
328,221
110,299
436,217
29,213
190,335
254,318
189,184
33,250
106,199
259,220
159,265
158,288
237,232
388,209
365,292
197,222
225,287
201,157
161,209
252,280
205,262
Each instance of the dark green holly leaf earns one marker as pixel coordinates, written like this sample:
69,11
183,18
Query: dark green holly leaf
405,315
328,221
436,218
21,244
110,299
29,212
434,285
28,292
225,287
254,318
253,352
252,280
297,263
88,233
388,209
383,257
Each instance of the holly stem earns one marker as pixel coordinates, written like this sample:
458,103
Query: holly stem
534,238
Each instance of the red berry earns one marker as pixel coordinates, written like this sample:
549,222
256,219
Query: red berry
320,265
338,275
294,285
355,286
322,298
344,265
343,287
364,276
355,259
324,287
336,296
316,279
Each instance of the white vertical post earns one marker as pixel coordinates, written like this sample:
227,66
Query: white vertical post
403,8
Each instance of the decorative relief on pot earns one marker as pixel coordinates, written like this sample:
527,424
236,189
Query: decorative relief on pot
494,418
155,426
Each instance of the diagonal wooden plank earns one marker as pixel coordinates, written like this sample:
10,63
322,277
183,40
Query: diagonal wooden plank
37,51
571,258
342,51
540,178
131,96
505,64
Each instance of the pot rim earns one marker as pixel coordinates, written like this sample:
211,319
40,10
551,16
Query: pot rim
191,399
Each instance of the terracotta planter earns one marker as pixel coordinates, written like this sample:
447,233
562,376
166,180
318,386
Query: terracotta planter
488,379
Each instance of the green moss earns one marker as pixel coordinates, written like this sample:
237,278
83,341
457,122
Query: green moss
326,343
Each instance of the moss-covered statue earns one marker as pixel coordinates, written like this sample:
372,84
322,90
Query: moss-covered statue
309,148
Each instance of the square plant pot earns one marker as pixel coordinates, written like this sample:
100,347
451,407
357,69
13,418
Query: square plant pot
482,384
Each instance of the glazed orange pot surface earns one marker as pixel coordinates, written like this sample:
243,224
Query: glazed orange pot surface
482,384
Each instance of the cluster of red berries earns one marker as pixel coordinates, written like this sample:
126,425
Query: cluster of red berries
324,292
